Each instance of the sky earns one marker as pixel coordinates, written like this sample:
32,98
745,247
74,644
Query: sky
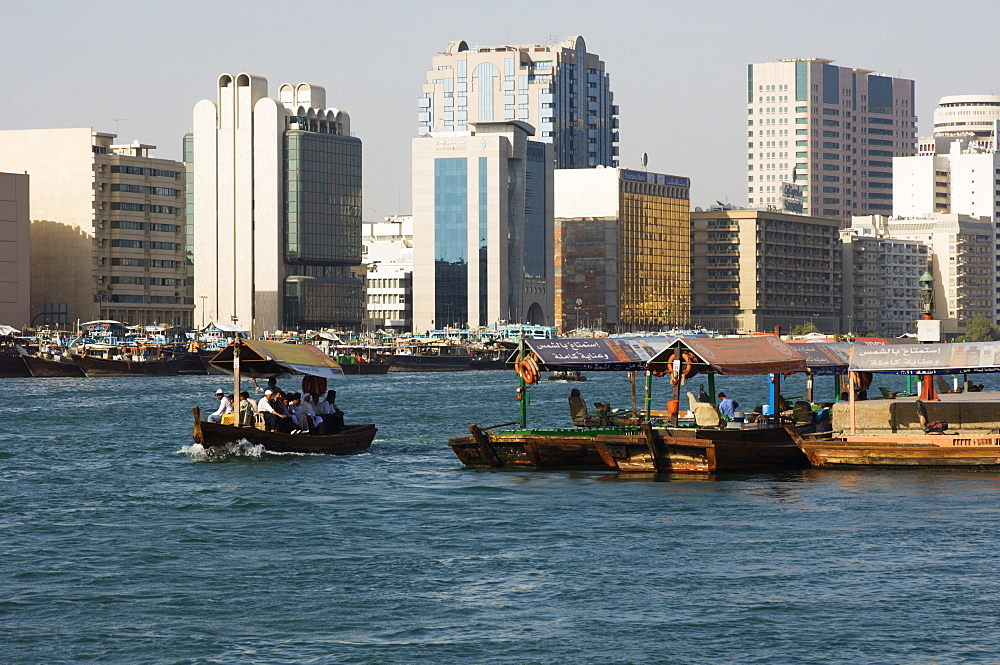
678,69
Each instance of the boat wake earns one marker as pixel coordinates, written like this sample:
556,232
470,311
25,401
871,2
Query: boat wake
242,448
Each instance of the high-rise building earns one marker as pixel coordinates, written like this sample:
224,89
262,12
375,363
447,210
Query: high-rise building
277,208
560,90
622,249
388,255
752,270
957,170
482,227
961,257
881,282
107,230
15,247
830,130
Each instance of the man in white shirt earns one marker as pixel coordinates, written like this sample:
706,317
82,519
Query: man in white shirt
225,406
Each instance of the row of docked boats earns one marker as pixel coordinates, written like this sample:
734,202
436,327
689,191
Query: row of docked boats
107,348
929,430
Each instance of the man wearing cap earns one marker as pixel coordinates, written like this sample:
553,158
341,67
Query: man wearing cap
225,406
266,409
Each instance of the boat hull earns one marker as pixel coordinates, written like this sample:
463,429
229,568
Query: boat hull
39,366
905,451
355,369
645,449
353,440
12,367
98,367
418,363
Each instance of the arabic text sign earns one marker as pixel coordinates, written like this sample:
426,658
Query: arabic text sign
928,358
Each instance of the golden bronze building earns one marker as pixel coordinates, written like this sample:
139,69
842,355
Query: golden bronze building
622,250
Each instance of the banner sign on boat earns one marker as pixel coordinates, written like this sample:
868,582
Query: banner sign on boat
966,358
623,354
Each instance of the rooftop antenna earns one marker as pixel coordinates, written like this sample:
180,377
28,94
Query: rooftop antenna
117,121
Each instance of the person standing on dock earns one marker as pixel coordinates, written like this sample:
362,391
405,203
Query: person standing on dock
727,406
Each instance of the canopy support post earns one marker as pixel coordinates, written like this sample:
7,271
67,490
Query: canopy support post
850,395
236,382
649,394
711,387
809,387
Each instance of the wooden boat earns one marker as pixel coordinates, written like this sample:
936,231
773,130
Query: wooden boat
40,365
94,366
904,451
352,440
955,430
643,449
431,358
624,446
260,359
364,368
12,366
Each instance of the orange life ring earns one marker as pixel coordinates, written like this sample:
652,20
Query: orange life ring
689,368
526,371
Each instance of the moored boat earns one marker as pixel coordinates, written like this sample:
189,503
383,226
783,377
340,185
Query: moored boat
431,358
641,441
11,360
53,366
937,431
566,376
95,366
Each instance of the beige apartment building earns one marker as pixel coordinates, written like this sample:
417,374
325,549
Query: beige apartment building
752,270
107,227
15,278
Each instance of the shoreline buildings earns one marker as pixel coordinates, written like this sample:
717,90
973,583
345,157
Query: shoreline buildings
828,133
482,227
107,229
957,170
961,258
752,270
561,90
622,250
277,207
15,251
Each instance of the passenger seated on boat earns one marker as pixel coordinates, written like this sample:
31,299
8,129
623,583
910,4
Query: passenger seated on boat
225,406
272,409
331,413
578,411
307,409
248,410
802,413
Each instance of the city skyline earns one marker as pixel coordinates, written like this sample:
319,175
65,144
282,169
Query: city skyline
680,97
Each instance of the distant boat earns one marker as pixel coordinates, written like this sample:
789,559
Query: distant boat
566,376
431,358
53,366
93,365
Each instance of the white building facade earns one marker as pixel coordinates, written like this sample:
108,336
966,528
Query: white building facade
277,208
561,90
832,131
482,227
957,170
961,258
388,254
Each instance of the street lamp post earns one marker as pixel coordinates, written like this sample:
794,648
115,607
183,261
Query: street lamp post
203,298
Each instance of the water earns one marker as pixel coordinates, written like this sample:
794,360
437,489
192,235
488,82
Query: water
119,543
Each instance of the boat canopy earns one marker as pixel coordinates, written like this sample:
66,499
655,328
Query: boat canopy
216,326
735,355
606,354
962,358
825,358
7,330
261,360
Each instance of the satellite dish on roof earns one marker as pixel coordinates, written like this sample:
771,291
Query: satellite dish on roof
644,159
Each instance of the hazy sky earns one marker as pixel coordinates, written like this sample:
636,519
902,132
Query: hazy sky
678,69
